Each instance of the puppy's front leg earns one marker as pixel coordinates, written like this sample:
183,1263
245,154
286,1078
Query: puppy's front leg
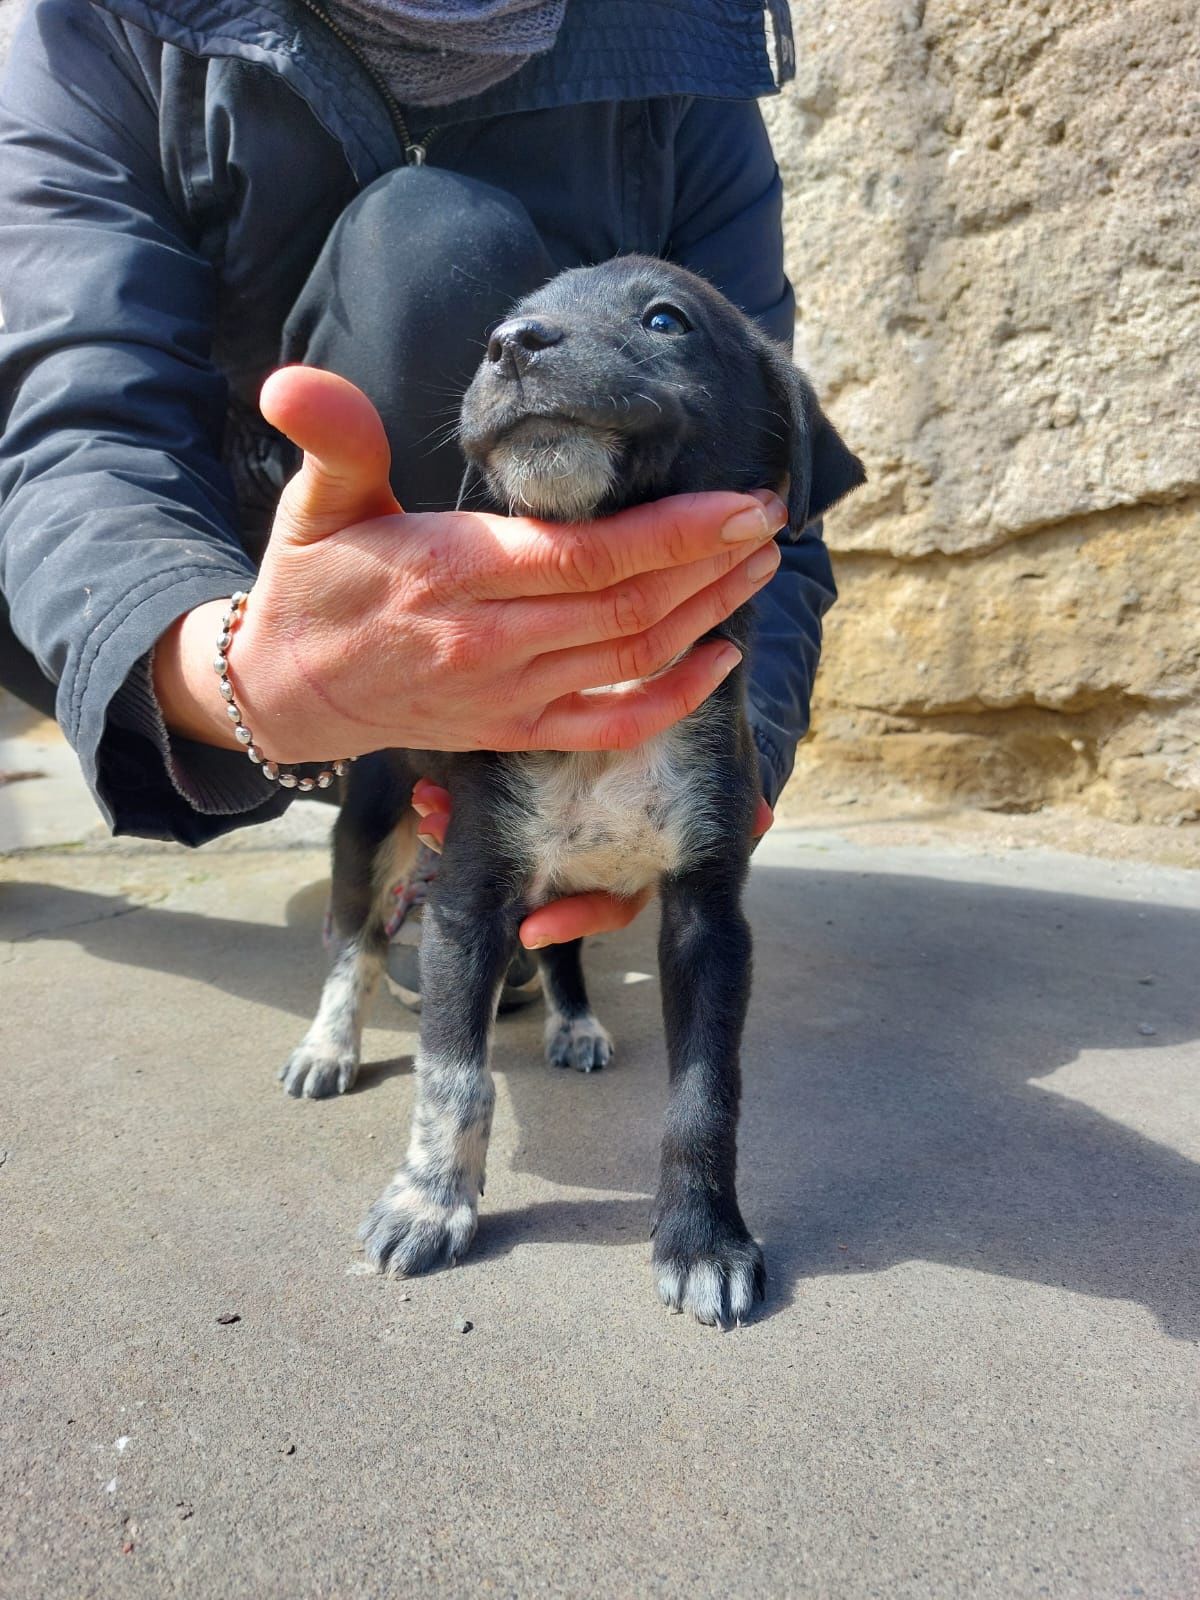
427,1216
704,1258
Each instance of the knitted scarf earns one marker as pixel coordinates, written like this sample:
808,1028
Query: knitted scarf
430,52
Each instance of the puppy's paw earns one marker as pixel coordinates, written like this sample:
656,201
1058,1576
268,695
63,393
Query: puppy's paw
319,1068
415,1226
718,1280
579,1042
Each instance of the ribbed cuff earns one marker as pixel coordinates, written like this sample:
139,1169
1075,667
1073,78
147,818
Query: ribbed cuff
214,782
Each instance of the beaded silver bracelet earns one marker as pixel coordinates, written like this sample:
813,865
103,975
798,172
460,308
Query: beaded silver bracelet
271,770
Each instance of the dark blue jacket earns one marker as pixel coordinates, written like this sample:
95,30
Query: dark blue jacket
168,174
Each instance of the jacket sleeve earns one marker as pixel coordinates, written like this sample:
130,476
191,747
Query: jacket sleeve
728,227
116,514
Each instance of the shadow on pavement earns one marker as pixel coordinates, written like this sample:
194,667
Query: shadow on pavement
892,1112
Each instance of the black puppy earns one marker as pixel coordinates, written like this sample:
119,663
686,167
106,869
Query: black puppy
610,386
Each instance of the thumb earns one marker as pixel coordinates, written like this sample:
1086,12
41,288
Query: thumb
343,478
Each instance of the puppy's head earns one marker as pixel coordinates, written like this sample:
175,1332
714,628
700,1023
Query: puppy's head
636,379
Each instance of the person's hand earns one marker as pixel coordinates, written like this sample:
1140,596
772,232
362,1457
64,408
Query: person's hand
369,628
578,915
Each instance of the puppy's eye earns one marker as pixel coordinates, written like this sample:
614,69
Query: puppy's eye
665,319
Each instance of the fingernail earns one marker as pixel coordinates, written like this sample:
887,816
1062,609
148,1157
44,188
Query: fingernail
725,660
535,944
762,563
749,524
773,506
430,842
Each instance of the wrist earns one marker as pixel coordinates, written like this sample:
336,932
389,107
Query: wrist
185,685
273,771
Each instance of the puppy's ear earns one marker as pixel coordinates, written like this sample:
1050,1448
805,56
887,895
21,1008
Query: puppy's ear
821,467
836,470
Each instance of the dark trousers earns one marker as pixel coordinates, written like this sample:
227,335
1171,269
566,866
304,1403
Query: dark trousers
414,273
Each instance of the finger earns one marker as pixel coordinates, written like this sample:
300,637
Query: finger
427,797
764,817
625,660
561,622
505,558
578,916
618,719
432,831
343,478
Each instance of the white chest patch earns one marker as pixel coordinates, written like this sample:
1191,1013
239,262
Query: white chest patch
610,820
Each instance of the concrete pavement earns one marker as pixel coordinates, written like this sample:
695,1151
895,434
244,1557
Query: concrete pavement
970,1146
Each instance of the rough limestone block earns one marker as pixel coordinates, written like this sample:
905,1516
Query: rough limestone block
993,226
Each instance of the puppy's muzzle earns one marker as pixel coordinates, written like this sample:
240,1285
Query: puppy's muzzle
553,411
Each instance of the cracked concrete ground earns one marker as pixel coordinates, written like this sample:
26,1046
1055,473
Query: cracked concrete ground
970,1146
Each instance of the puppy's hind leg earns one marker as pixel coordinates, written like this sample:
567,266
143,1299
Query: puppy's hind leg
574,1037
374,841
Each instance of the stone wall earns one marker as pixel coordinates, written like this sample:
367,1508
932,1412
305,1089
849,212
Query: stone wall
993,226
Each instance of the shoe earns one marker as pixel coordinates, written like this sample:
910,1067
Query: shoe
522,982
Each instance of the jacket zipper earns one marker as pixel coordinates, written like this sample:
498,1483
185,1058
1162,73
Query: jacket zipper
414,149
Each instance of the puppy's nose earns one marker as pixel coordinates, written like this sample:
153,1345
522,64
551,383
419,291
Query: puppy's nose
518,340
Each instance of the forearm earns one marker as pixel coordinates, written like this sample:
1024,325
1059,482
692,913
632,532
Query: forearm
784,651
728,223
728,227
116,515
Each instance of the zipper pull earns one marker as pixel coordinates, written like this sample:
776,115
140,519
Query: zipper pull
414,155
